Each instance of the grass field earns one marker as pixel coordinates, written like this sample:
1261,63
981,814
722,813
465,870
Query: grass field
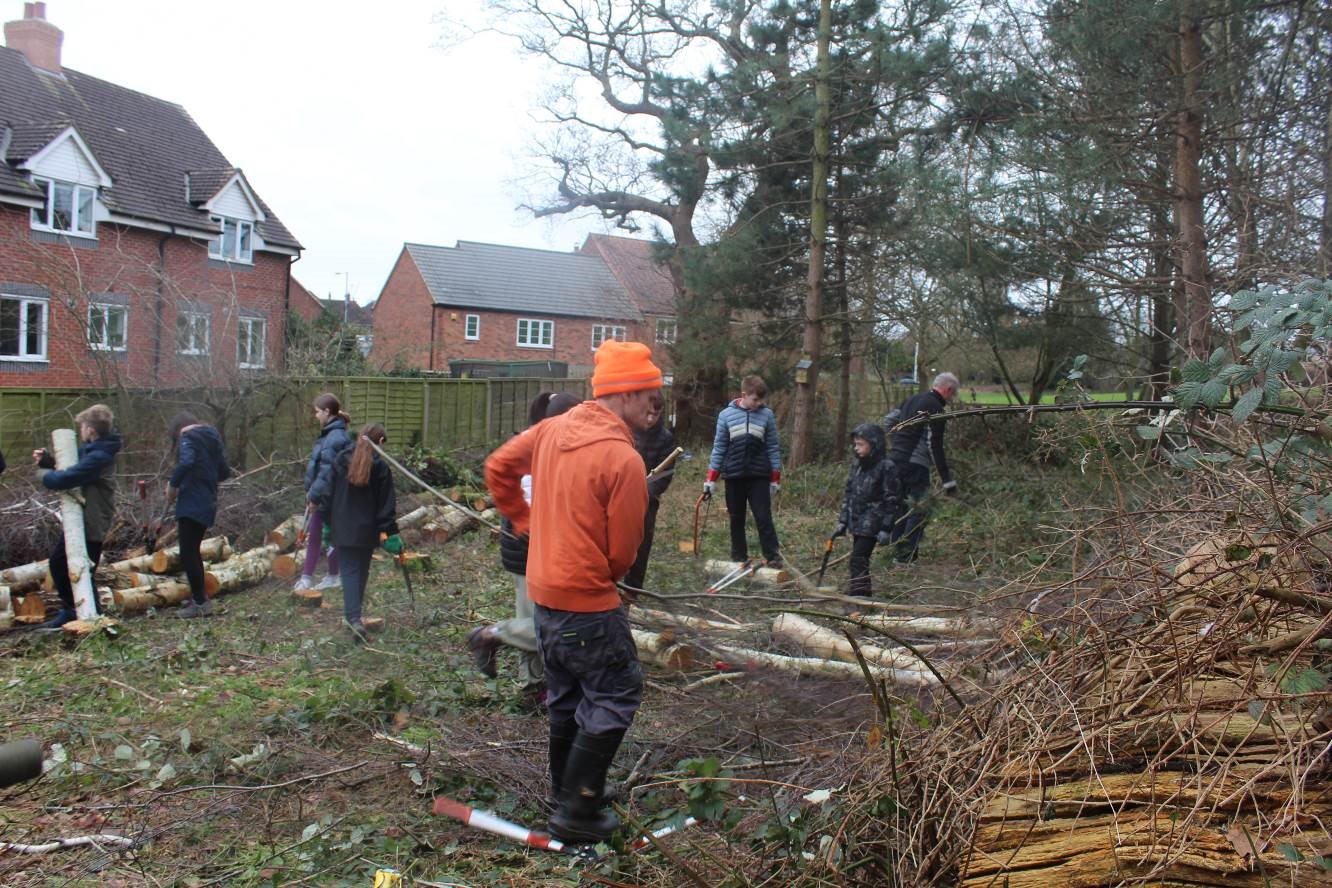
241,750
970,396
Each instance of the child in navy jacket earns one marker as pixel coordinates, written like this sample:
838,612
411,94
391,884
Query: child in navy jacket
869,503
201,465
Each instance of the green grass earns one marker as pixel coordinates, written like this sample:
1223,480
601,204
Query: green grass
967,396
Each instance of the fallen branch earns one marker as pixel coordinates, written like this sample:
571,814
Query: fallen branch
97,841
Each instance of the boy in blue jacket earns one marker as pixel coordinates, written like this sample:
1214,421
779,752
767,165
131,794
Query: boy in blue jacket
746,454
95,476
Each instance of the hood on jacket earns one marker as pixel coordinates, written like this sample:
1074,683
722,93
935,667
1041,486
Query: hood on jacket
206,437
873,433
110,443
589,423
336,422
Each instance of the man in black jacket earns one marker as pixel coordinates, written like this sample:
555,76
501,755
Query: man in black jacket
913,449
654,445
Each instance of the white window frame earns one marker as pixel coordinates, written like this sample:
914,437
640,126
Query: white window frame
602,332
674,329
24,302
245,333
244,233
470,332
534,333
207,332
43,218
103,343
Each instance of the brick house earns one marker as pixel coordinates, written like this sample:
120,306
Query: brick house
647,282
485,302
131,250
304,303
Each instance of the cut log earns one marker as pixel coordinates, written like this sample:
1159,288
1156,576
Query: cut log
934,627
65,445
416,517
30,608
81,628
213,549
246,569
307,597
663,650
744,658
481,502
768,576
372,624
6,609
23,577
139,563
288,566
447,524
813,638
140,598
284,535
698,624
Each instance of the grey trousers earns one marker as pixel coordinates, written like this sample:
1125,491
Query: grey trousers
519,631
592,671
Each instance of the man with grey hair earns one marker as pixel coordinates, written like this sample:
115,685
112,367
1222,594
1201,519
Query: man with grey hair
913,450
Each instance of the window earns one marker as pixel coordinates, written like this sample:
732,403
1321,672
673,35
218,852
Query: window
192,332
472,327
536,334
234,245
602,332
22,328
68,208
107,326
665,330
250,343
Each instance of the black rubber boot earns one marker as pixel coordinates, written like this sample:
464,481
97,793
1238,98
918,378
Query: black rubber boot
582,817
562,734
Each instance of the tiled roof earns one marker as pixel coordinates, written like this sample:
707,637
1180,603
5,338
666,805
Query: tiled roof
519,279
633,263
348,312
146,145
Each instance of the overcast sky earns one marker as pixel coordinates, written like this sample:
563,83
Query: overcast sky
348,119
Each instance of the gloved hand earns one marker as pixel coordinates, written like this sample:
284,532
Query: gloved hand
950,488
775,483
773,488
326,536
709,488
393,545
839,530
45,459
884,538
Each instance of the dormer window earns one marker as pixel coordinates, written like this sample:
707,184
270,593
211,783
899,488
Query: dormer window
68,208
236,242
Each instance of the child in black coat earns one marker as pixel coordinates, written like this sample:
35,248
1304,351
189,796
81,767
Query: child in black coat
361,507
869,503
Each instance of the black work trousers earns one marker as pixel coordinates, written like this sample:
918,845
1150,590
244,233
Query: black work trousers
861,549
191,534
592,671
59,568
909,526
754,493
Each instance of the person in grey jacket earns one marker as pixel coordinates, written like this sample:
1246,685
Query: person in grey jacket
747,455
333,438
869,503
914,449
201,465
95,476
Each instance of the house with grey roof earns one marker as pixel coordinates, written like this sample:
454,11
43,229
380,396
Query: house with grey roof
132,251
463,307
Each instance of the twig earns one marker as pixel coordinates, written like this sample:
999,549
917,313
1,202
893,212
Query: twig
144,694
76,842
241,788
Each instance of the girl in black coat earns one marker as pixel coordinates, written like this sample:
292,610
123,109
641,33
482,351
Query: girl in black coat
361,507
869,503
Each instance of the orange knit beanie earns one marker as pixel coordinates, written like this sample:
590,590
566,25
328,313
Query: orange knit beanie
624,367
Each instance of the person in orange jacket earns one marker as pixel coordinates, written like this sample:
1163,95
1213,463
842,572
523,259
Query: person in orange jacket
589,496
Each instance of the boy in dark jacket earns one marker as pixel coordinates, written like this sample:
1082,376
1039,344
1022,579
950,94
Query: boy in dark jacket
361,506
95,476
654,445
201,465
869,504
746,453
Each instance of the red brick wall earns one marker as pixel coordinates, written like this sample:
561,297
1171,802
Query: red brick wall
499,334
402,318
126,262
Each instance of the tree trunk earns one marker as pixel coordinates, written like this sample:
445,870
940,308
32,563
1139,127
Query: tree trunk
1162,333
1189,221
1325,231
814,639
64,443
841,429
802,447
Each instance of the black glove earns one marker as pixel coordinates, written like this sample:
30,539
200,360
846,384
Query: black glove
47,460
884,538
839,530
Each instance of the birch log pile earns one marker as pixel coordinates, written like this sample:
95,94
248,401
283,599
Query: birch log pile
744,658
166,593
246,569
211,550
447,524
662,649
906,667
23,577
284,535
64,443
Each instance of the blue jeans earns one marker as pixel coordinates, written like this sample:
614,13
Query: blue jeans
354,568
909,525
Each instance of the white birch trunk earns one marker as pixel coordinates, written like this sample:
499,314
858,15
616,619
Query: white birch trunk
825,643
64,443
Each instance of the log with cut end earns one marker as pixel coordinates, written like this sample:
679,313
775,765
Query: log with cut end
135,580
481,502
814,639
744,658
286,566
64,443
312,598
167,593
213,549
31,608
139,563
416,517
80,628
663,650
284,535
932,627
447,524
247,569
769,576
23,577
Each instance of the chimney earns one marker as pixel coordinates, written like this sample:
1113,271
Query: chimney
36,38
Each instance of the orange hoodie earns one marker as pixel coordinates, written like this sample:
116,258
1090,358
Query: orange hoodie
589,499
